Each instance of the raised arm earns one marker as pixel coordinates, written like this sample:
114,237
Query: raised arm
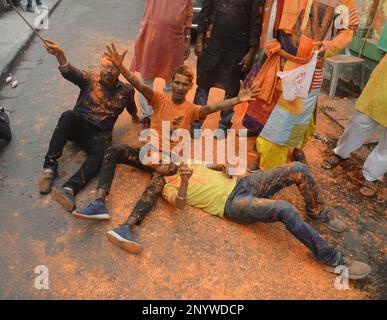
135,81
179,198
68,71
245,95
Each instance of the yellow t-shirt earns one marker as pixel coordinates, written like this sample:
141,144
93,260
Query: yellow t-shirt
207,189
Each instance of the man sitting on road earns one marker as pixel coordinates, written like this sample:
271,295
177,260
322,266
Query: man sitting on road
102,99
174,110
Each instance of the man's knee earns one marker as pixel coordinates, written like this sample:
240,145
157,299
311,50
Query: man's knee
68,115
299,167
287,213
112,153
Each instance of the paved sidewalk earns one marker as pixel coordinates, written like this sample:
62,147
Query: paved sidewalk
16,35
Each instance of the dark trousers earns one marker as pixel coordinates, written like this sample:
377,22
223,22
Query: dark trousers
201,98
249,203
127,155
72,126
38,3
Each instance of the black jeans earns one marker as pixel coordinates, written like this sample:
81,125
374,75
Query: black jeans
249,203
125,154
72,126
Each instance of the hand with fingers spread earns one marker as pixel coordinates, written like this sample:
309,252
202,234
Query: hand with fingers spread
246,95
115,57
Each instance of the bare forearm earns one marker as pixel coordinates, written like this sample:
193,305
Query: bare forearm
212,108
181,195
136,82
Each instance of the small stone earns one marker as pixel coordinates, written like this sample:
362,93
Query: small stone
14,84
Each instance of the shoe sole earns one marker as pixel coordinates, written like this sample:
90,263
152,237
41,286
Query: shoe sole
127,245
94,217
350,276
62,200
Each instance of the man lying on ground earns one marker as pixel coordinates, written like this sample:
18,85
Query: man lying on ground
244,200
102,99
174,110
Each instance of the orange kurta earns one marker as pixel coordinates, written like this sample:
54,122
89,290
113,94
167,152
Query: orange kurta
159,46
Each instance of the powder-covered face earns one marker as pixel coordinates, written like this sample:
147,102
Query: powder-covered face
181,84
165,169
109,73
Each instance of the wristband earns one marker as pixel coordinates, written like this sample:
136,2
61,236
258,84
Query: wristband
180,198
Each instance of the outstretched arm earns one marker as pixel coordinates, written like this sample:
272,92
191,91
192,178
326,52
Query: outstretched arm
245,95
135,81
68,71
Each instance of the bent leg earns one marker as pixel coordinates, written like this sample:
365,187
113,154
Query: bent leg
359,128
65,129
147,201
247,209
376,164
123,154
265,184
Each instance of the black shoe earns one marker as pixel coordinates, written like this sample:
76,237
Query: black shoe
30,9
64,197
124,238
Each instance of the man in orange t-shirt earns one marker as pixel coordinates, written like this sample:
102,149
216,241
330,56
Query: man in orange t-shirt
177,113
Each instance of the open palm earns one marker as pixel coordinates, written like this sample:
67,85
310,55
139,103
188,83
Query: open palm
249,94
115,57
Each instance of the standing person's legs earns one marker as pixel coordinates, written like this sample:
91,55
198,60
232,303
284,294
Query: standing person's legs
358,130
376,164
201,99
226,115
65,130
265,184
146,109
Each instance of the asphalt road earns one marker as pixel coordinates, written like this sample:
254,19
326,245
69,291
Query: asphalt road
188,255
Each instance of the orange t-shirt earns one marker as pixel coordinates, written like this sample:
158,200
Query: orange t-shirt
178,116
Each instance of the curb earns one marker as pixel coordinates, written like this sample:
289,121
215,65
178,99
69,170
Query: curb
10,64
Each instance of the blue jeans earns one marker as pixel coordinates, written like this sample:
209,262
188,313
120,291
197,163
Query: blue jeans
201,98
38,3
249,203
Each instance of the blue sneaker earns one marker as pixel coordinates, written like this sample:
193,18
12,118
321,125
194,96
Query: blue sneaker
96,210
124,238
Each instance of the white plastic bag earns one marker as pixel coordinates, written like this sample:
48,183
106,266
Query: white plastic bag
297,82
